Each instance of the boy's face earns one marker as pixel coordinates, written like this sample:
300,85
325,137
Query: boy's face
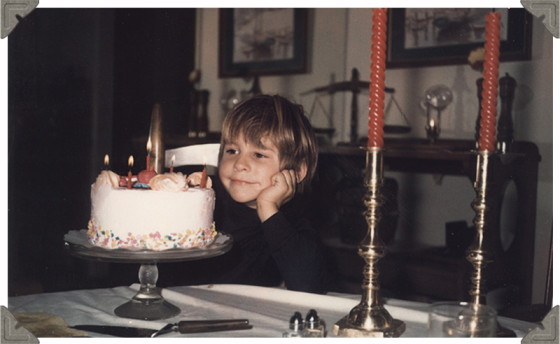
246,169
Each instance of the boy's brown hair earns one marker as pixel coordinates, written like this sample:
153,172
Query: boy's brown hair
281,121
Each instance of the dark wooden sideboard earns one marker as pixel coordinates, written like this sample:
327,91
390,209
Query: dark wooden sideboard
424,273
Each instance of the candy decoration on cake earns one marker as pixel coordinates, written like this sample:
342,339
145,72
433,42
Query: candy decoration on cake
487,140
151,241
377,78
145,176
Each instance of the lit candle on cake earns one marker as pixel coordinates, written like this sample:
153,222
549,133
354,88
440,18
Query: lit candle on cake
377,78
130,163
106,161
146,175
149,149
203,178
172,162
487,132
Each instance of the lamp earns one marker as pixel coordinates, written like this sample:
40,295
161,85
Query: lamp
437,97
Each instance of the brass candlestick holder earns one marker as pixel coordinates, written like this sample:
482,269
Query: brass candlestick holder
482,251
369,318
157,137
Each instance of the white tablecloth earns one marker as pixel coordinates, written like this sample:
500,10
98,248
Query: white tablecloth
268,309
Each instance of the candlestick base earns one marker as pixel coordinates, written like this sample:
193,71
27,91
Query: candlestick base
501,332
343,329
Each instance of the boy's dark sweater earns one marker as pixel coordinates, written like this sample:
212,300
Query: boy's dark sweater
283,248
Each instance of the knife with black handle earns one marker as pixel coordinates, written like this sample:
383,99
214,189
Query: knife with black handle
190,326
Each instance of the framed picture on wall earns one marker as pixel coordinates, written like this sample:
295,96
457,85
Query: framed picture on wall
262,41
446,36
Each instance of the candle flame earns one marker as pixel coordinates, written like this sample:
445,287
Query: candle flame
432,123
173,160
149,145
130,161
106,160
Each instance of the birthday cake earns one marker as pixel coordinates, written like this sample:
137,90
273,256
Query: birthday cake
166,213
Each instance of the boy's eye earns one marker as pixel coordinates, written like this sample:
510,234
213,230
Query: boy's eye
231,151
260,156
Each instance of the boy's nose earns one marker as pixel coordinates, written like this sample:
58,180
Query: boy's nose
241,163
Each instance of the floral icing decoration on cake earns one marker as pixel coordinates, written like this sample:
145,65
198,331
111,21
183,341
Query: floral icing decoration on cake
172,182
196,177
152,241
104,178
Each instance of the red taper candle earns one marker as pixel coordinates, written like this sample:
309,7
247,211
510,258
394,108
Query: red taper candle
149,150
487,132
203,178
130,163
377,78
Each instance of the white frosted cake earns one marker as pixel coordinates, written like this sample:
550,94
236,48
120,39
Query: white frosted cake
168,214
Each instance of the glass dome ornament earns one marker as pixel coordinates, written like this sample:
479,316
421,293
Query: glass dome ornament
437,97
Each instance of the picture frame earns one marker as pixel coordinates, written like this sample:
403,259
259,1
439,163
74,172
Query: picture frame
445,36
251,44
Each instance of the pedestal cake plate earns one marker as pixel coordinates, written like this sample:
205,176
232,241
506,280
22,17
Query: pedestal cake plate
147,304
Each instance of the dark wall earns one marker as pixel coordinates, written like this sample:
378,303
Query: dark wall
154,54
58,80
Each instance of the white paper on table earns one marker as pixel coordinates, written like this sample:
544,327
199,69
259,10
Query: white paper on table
78,238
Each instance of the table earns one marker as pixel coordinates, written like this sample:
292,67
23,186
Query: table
268,309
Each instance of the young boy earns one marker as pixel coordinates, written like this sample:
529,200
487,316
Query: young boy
268,154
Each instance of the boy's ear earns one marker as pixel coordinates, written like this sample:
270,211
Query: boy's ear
301,173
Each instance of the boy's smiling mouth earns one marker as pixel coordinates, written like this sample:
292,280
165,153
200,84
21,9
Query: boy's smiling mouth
241,182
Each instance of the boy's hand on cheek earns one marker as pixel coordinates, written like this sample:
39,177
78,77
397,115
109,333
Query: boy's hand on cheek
281,191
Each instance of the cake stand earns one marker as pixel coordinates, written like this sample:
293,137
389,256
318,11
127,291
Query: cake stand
147,304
